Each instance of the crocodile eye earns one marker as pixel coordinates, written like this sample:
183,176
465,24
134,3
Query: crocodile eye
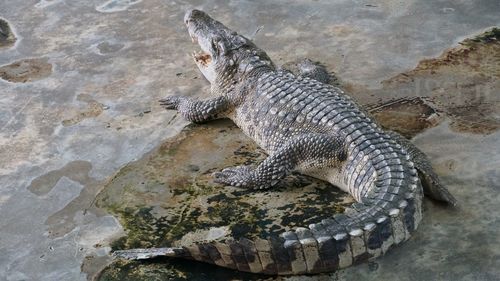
215,42
218,45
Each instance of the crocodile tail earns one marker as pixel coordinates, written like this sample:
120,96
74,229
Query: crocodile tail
362,232
387,213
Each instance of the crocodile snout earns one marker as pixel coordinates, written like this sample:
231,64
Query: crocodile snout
190,14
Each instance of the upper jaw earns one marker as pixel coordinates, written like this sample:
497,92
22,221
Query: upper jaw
198,25
197,21
204,57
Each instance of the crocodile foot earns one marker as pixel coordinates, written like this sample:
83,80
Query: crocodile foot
236,176
243,176
171,102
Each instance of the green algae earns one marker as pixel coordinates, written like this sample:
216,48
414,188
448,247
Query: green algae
490,36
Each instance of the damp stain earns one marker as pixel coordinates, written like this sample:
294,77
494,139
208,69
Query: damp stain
63,221
107,47
93,109
168,198
76,170
461,84
7,37
26,70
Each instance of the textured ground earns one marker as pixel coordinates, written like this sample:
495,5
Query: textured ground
79,84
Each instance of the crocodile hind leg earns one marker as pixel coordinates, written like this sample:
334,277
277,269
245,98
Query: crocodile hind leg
320,150
311,69
430,181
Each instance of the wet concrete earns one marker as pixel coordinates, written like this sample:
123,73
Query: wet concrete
64,135
462,84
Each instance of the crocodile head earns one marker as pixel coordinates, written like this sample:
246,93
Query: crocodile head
225,55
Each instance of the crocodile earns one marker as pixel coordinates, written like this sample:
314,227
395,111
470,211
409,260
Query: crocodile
310,126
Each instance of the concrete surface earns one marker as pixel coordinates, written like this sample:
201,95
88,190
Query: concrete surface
78,97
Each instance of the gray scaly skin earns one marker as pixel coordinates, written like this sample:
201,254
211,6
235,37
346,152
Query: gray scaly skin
312,127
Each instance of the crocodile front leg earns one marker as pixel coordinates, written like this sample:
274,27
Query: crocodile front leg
304,152
197,110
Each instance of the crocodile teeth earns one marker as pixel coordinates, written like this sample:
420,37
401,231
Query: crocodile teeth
197,54
202,57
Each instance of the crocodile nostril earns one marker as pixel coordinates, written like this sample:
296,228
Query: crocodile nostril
192,15
188,15
195,12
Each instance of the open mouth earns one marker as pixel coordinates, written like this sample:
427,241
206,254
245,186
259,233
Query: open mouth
202,58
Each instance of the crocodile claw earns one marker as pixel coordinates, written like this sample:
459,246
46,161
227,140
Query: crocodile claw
171,102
